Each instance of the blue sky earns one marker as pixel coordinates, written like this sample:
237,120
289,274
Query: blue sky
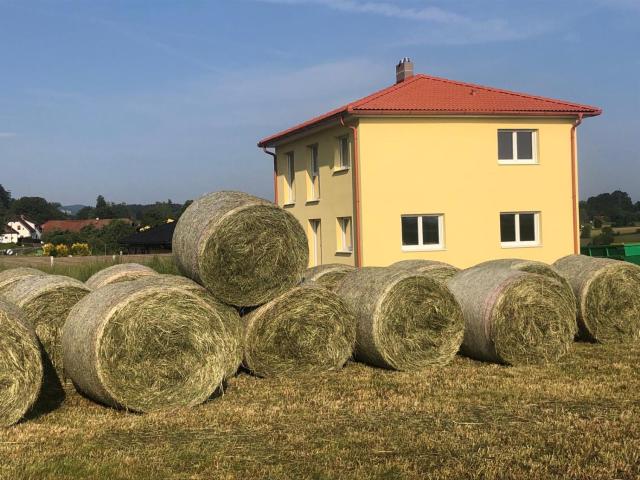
149,100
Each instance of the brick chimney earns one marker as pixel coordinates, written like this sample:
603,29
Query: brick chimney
404,70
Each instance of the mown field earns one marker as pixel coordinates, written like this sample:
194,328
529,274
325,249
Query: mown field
578,419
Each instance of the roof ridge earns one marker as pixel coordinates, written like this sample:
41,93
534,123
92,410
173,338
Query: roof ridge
382,92
505,91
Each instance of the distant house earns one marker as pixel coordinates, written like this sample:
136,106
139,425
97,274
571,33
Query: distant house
9,235
26,229
77,225
152,240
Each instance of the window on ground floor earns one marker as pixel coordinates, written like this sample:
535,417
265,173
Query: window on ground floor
519,229
422,232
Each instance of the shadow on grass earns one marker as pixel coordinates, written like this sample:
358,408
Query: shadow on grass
51,393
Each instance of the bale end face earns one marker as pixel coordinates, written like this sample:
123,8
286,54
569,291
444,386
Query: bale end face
309,329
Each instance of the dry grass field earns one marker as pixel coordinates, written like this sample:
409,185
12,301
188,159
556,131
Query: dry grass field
578,419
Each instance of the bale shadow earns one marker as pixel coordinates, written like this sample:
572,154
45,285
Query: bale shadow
52,392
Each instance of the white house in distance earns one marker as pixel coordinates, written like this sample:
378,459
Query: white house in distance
24,228
9,235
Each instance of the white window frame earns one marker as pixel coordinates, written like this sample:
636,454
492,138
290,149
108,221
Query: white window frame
314,173
343,163
289,179
316,235
517,243
422,247
346,241
514,139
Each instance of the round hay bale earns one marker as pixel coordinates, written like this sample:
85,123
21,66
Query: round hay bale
21,371
46,302
305,330
438,270
124,272
513,317
608,297
405,320
147,345
243,249
328,275
13,275
232,332
541,268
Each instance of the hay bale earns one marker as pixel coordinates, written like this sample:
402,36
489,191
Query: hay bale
438,270
21,371
148,344
243,249
405,320
608,297
328,275
233,326
307,329
46,302
13,275
513,317
124,272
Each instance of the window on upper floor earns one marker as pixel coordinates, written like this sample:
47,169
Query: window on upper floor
422,232
519,229
289,180
313,175
517,146
343,160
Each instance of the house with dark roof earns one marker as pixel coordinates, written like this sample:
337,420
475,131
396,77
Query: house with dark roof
150,240
9,235
437,169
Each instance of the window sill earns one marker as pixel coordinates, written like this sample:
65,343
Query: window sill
342,253
423,248
340,169
520,245
518,162
289,204
313,201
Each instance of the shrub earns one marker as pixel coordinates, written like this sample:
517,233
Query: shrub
49,250
62,250
80,249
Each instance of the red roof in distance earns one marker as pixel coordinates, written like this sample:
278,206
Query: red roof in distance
427,95
77,225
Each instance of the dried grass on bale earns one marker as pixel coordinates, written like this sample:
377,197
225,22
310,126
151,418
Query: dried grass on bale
243,249
328,275
608,297
305,330
13,275
232,332
438,270
513,317
145,346
405,320
46,301
124,272
20,364
541,268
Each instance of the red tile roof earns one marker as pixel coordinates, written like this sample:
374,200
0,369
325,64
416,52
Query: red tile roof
77,225
426,95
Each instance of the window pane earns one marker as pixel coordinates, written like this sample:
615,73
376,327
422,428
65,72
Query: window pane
507,227
505,145
314,160
430,231
409,230
525,145
344,152
527,227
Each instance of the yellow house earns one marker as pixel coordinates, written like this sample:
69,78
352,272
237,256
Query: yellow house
435,169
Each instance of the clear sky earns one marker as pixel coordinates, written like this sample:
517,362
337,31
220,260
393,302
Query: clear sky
149,100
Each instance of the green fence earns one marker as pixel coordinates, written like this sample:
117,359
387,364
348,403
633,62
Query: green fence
629,252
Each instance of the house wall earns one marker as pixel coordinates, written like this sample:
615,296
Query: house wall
336,199
450,166
9,238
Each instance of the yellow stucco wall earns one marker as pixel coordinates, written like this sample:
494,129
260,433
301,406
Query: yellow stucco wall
450,167
336,199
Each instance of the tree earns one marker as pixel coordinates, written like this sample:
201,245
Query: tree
36,209
605,238
5,198
586,231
